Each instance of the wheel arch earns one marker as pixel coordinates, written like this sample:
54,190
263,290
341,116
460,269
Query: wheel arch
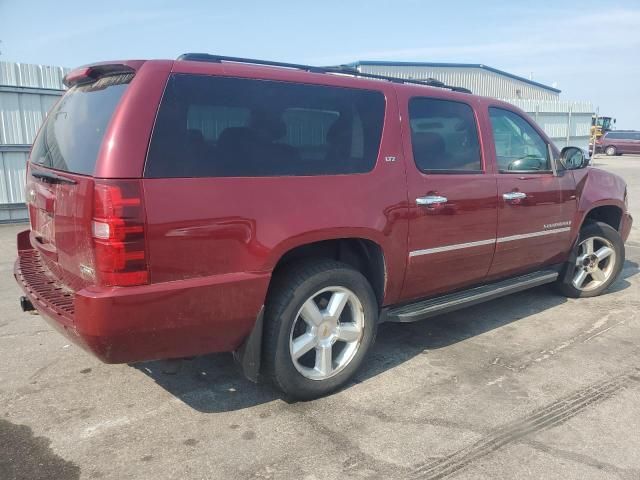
601,197
607,213
362,253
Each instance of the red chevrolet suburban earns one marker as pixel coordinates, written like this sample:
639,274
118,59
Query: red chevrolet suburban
282,211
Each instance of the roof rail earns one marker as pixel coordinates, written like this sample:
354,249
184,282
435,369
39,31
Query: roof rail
340,69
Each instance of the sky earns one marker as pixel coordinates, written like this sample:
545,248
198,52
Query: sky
588,49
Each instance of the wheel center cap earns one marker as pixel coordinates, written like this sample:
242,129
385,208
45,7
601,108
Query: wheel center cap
325,330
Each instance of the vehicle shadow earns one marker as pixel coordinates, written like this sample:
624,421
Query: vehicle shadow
213,383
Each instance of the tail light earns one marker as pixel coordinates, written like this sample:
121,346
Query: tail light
118,232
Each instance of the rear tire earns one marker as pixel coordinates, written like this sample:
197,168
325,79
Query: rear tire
599,260
320,321
610,151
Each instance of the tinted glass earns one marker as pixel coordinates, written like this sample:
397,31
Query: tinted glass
444,137
519,147
230,127
73,132
623,135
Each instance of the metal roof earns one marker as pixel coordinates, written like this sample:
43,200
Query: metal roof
453,65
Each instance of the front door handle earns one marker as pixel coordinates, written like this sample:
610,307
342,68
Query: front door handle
431,200
514,196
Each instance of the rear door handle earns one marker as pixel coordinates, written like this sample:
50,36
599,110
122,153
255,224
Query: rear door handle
431,200
514,196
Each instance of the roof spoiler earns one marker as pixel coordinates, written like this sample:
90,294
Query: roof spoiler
89,74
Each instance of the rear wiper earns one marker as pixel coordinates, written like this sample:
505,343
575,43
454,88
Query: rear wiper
52,178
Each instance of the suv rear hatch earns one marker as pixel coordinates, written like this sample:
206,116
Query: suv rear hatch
88,231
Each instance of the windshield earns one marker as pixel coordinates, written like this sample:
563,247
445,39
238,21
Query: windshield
72,134
604,122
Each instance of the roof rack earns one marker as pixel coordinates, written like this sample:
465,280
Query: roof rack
340,69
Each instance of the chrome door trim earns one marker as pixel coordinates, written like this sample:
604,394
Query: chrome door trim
448,248
459,246
533,234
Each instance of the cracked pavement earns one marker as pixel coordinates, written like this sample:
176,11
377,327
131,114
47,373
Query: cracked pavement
528,386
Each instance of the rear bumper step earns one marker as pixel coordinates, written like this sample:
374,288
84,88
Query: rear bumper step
454,301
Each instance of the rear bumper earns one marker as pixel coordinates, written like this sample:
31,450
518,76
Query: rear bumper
147,322
625,228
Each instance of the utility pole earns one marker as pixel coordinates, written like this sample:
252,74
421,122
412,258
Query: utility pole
594,132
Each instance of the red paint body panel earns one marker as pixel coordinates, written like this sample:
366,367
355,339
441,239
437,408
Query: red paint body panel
212,243
550,201
67,209
163,320
597,188
125,143
468,216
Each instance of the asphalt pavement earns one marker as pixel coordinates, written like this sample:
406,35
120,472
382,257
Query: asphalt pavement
529,386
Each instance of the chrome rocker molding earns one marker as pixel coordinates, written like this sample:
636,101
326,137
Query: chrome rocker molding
453,301
479,243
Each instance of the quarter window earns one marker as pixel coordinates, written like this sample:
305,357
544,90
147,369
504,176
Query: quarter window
232,127
444,137
519,147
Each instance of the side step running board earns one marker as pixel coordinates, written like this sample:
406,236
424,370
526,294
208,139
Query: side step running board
454,301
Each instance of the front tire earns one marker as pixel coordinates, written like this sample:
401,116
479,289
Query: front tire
598,261
320,322
610,151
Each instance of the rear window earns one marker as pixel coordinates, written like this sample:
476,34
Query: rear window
231,127
71,137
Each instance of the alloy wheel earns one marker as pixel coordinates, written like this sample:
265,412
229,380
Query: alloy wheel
595,263
326,333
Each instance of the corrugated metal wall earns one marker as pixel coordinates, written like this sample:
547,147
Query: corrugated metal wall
566,122
479,81
27,93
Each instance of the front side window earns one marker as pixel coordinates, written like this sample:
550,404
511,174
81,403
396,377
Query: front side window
444,137
232,127
519,147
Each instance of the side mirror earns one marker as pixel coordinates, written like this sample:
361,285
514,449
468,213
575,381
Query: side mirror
574,158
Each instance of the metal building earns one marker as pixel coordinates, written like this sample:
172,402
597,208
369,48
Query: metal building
566,122
27,93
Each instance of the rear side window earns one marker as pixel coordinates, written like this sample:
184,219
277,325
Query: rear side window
444,137
72,134
623,135
230,127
